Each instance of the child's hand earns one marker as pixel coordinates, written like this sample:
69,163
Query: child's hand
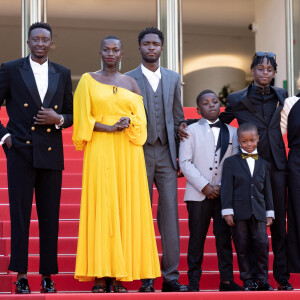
182,133
217,189
269,221
210,192
229,220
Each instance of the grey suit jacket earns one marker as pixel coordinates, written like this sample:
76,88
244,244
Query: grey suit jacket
172,103
199,161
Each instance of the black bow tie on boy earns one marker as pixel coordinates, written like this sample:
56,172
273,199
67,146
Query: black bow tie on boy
259,90
217,124
247,155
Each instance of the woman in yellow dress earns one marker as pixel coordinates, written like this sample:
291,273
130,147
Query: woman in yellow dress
116,233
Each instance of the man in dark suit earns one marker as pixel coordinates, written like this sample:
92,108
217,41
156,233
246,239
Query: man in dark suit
160,89
247,206
39,104
261,104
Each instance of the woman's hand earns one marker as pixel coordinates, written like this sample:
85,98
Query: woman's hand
122,124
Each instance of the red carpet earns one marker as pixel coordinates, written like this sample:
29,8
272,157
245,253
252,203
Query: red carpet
69,214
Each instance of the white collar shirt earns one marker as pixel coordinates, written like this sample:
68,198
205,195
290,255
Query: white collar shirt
215,130
40,73
250,161
153,77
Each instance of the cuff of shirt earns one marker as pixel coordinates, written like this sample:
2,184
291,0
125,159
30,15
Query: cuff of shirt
4,138
61,122
227,211
270,214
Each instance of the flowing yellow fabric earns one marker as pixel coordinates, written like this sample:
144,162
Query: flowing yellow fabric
116,232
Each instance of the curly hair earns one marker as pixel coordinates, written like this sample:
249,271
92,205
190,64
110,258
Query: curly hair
40,25
151,30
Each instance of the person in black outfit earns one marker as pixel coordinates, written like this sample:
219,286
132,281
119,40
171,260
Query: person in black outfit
39,104
247,206
261,104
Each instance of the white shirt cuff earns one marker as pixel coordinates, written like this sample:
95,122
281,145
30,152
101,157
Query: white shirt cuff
227,211
4,138
270,214
61,122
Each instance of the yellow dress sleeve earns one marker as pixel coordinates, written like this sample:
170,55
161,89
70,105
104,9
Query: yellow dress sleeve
83,121
137,130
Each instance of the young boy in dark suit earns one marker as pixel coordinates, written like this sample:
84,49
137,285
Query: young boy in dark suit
247,206
201,158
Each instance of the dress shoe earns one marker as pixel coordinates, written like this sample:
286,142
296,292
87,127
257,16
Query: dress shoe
174,286
22,286
284,285
47,286
264,285
231,286
147,286
249,285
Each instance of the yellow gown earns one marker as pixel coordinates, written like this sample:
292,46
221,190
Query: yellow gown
116,233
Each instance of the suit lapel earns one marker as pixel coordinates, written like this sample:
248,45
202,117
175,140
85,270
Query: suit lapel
29,80
140,81
165,86
245,100
53,79
244,164
223,140
257,166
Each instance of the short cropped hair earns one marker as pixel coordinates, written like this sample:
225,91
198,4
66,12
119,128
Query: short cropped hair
256,60
40,25
111,37
204,92
151,30
246,127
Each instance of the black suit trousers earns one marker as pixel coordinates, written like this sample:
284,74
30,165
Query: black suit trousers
23,182
200,214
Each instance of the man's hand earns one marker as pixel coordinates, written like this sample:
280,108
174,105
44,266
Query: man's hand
182,133
229,220
47,116
210,192
8,142
269,221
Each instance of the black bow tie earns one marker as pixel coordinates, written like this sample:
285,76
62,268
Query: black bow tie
217,124
259,90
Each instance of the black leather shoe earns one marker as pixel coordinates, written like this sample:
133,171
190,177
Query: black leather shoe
227,287
249,285
264,285
22,286
284,285
147,286
174,286
47,286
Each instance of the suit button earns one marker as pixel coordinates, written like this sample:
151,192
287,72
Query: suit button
55,106
27,142
32,128
49,149
48,129
210,168
26,105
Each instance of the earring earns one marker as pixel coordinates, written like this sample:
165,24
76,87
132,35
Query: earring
120,65
101,64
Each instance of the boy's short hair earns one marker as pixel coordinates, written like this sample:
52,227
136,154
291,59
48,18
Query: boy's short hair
246,127
151,30
258,59
40,25
204,92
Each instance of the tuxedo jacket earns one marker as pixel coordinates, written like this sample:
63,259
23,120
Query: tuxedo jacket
200,162
171,91
40,145
239,106
243,193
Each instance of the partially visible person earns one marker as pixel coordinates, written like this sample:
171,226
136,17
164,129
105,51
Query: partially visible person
160,89
39,104
116,240
201,159
290,123
261,104
247,207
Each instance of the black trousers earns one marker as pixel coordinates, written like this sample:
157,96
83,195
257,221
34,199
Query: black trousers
278,228
246,233
23,181
200,214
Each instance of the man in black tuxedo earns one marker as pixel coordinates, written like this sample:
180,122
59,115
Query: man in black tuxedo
39,104
261,104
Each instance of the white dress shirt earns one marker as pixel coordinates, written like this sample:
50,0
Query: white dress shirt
153,77
215,130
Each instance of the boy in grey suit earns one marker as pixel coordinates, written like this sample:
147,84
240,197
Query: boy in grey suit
201,159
